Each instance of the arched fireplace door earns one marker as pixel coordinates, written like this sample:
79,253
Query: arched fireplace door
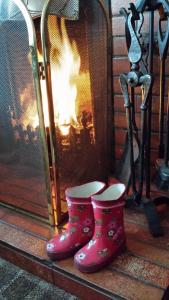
55,103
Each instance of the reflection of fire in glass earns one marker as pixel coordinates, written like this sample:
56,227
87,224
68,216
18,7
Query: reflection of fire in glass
29,109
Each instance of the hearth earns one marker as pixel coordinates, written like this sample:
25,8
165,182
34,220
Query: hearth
55,106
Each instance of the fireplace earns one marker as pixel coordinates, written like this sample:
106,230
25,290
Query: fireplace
55,106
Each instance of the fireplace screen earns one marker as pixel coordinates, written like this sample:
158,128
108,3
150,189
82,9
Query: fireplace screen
22,164
55,100
76,56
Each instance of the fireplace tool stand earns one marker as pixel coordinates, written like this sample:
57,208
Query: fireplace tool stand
141,76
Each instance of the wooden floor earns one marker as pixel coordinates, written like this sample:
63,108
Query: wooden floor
141,273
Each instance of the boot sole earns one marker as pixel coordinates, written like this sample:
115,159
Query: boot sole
92,269
63,255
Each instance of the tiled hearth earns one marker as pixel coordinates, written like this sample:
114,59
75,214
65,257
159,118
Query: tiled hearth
142,273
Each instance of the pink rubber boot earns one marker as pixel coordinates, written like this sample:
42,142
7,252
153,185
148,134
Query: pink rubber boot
109,239
81,221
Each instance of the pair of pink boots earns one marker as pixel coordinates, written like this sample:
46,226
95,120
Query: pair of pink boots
95,226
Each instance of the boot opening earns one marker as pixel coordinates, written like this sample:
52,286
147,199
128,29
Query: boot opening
85,190
113,192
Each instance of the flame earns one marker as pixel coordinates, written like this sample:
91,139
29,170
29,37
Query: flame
71,88
65,68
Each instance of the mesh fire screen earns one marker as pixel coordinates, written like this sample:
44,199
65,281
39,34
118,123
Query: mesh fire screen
22,173
77,52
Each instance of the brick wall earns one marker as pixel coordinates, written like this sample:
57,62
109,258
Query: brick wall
120,65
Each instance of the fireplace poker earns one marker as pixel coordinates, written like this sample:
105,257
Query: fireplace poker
149,113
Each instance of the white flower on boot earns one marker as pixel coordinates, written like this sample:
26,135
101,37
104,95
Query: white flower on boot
50,246
86,229
110,232
81,256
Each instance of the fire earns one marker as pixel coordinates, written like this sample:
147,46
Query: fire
71,88
65,68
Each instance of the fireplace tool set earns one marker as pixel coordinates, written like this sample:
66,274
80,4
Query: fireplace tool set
141,76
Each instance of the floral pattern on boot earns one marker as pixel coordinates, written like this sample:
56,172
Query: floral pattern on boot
75,236
80,225
108,240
